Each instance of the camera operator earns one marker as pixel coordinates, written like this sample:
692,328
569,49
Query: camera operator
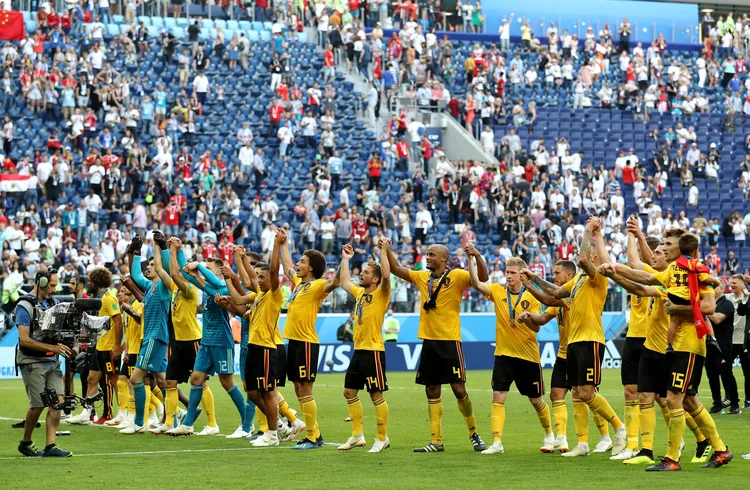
106,358
40,366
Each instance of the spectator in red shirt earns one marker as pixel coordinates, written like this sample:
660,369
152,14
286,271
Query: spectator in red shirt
468,235
53,19
330,70
374,165
538,268
276,113
564,250
225,250
360,228
209,249
402,152
713,261
172,217
628,173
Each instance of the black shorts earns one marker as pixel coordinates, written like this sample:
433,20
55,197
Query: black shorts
676,300
103,361
585,363
280,365
631,360
367,368
302,360
526,374
441,362
181,355
126,369
685,373
653,373
560,374
260,368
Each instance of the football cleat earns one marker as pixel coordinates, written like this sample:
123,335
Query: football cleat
102,421
715,409
352,442
305,444
549,444
319,441
644,456
561,444
620,442
52,451
604,445
702,452
733,410
266,441
252,437
180,430
623,455
122,424
180,415
379,446
295,429
160,411
83,418
477,442
158,429
29,450
133,429
153,420
283,431
665,465
719,458
579,450
430,448
495,448
119,418
209,431
238,434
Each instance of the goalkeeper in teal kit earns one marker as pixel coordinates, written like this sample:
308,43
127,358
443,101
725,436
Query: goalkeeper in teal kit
216,353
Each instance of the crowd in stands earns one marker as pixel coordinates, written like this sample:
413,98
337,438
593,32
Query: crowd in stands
132,121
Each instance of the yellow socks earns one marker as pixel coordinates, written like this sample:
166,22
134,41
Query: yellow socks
542,412
708,428
131,403
676,429
690,423
466,409
665,412
171,406
310,413
381,416
632,422
156,391
435,409
151,402
122,395
581,420
262,419
285,410
498,421
560,417
600,423
207,402
647,425
601,406
355,413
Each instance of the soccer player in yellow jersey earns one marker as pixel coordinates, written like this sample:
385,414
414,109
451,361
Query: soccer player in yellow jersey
516,347
108,348
562,272
367,367
685,363
187,339
310,289
442,359
653,369
587,293
133,310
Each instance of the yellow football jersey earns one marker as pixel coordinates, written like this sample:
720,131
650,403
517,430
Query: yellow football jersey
369,314
638,325
658,323
264,318
441,322
675,279
514,339
302,312
587,298
184,313
563,319
134,329
111,308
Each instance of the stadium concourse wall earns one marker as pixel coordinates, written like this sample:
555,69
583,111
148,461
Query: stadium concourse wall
477,329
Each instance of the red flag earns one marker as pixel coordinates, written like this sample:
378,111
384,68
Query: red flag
11,25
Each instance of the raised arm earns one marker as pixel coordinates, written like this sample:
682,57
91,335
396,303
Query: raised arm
274,265
210,277
176,259
601,248
235,292
634,256
385,270
396,268
347,252
475,282
584,259
245,269
286,259
163,274
137,274
133,288
557,292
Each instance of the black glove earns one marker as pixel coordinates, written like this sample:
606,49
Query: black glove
160,240
136,245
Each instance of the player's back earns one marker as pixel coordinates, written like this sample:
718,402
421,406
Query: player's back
156,312
217,331
587,298
184,313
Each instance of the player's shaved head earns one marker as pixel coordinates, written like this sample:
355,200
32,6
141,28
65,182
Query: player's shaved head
440,250
437,257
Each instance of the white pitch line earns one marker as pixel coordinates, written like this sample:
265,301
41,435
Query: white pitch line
169,451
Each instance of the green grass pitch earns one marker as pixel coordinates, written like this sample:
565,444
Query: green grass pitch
104,458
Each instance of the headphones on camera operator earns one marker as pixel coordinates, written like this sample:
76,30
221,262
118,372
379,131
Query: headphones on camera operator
29,303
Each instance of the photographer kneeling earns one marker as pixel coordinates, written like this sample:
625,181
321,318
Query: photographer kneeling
40,366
